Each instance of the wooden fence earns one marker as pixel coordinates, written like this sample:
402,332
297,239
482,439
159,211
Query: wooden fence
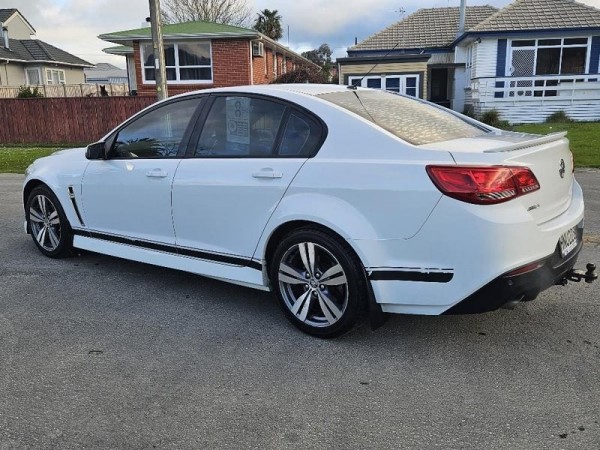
64,121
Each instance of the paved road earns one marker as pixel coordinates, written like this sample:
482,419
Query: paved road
98,352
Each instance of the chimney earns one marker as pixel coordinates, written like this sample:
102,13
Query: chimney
461,22
5,35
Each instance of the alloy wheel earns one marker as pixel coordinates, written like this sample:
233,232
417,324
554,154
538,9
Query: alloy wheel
45,223
313,284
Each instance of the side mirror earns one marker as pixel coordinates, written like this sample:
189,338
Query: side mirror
96,150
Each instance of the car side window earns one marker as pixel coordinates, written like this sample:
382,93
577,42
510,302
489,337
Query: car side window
157,134
238,126
301,137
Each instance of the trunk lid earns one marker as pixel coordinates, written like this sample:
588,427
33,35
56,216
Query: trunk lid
548,157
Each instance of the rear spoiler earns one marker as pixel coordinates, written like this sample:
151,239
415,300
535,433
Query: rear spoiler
531,143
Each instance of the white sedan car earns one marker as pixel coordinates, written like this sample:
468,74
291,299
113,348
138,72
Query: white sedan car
342,200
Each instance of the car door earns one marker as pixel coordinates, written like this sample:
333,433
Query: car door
129,193
246,154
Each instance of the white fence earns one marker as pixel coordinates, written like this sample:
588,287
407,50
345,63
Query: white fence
533,99
538,88
69,90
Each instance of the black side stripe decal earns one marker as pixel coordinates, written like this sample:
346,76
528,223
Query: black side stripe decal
409,275
227,259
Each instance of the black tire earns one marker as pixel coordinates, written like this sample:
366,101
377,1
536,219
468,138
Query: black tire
328,302
48,224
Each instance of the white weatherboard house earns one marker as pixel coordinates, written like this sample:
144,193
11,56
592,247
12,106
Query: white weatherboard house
527,60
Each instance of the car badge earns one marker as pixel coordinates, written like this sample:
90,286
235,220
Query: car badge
561,171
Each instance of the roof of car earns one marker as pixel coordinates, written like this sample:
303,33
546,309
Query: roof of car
275,89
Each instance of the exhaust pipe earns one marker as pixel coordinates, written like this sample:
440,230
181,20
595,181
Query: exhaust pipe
511,304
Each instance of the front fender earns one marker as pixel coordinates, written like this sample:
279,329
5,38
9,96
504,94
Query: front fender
58,172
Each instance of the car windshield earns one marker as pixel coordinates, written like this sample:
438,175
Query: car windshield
413,121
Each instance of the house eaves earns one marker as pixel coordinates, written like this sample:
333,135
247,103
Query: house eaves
541,33
120,50
128,40
423,57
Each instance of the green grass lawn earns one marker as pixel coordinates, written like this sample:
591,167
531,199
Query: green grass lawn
583,136
16,159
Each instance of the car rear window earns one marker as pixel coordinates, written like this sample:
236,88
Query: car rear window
411,120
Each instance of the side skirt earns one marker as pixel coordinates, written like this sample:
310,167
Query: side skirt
241,275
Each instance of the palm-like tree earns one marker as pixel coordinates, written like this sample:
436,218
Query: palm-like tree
269,24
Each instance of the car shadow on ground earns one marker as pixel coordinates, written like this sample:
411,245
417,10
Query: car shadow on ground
252,308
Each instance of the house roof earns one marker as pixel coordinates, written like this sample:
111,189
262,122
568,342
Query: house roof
7,13
34,50
104,71
185,29
523,15
426,28
198,29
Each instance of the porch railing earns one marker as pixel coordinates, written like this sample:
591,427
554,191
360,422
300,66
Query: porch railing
70,90
536,88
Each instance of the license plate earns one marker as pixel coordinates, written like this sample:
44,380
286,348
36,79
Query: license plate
568,242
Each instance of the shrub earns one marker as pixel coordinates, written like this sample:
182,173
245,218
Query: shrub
492,118
558,117
28,92
469,111
302,75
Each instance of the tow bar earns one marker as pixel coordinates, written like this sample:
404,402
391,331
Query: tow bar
577,275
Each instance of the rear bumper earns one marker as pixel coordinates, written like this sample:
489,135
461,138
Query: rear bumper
526,286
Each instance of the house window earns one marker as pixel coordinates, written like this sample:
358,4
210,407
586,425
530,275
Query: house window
557,56
33,77
54,76
186,62
402,84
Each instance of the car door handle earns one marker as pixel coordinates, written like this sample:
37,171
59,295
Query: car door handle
267,173
156,173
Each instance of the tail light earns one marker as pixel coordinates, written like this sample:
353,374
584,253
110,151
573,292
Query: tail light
483,185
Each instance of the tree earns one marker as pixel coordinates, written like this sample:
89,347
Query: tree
320,56
269,23
231,12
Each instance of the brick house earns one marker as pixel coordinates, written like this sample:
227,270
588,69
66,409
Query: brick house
202,55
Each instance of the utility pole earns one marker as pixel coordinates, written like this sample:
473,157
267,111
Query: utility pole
159,50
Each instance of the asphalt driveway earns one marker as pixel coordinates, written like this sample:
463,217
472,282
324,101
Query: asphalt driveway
99,352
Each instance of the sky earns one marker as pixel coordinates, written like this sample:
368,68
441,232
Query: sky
73,25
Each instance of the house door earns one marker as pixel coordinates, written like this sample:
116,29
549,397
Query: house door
438,90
